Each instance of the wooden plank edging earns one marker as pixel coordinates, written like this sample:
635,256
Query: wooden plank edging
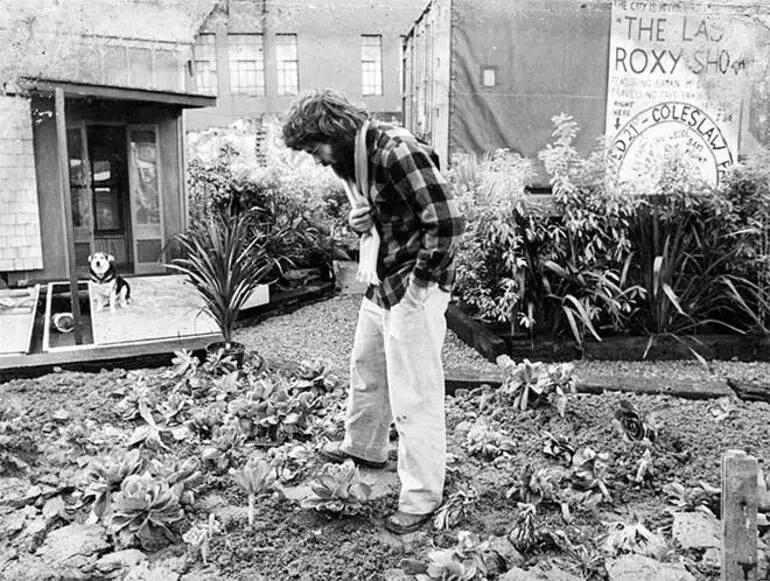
463,378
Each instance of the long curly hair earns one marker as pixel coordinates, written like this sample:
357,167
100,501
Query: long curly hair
322,115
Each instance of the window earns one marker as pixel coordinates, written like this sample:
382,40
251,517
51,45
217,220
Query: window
287,63
371,64
247,64
205,64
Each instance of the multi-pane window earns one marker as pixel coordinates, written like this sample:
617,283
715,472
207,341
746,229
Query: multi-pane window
205,64
247,63
287,64
371,64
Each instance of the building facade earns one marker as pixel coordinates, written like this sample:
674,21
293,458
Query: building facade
255,56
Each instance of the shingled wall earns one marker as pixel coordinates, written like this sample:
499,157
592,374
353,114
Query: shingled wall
20,244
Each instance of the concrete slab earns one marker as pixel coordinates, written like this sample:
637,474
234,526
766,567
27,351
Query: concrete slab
17,318
161,307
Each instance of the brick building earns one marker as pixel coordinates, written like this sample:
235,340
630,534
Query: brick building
256,55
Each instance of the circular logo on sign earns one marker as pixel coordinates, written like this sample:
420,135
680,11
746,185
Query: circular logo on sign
668,130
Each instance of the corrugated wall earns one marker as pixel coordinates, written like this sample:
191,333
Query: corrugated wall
544,56
426,68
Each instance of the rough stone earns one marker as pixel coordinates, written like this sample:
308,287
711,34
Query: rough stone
144,572
640,568
13,523
12,492
120,560
202,576
503,547
73,542
696,530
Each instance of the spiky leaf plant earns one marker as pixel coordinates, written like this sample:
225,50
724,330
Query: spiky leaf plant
339,489
225,259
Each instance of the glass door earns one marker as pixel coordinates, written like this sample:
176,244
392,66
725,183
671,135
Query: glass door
111,227
146,198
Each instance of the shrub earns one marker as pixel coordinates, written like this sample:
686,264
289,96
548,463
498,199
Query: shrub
666,255
305,203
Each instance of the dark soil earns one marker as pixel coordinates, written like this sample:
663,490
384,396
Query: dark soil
288,542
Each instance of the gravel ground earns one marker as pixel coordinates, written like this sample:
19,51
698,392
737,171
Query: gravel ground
325,330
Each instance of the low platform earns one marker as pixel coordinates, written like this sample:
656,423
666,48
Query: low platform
17,319
165,315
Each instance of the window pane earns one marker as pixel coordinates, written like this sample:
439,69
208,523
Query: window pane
78,169
247,63
81,211
143,165
102,171
205,63
107,209
287,64
371,64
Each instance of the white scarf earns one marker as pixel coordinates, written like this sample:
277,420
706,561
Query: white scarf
369,247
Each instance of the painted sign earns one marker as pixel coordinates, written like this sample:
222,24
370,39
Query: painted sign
678,74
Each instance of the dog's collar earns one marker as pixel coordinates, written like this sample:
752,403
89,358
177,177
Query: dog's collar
106,277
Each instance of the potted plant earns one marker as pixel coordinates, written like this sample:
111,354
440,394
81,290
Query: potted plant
225,259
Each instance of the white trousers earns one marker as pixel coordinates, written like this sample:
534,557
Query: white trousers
396,373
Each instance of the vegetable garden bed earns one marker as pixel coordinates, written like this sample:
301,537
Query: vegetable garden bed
70,442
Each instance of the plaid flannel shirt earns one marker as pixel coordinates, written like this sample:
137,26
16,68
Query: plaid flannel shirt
415,213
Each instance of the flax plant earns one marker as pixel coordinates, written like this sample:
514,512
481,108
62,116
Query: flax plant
225,259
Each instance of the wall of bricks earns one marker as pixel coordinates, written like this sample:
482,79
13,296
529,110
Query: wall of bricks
20,243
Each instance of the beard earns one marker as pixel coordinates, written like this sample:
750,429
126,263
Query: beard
344,159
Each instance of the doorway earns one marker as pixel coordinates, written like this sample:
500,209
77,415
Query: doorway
99,190
116,195
109,183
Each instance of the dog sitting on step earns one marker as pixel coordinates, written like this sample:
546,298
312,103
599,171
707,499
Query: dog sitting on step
106,285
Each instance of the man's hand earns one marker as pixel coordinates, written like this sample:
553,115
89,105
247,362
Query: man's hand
360,219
